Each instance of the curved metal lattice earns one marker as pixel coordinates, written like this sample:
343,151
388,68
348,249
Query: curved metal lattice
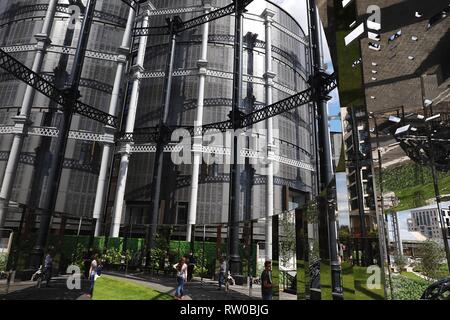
23,73
426,140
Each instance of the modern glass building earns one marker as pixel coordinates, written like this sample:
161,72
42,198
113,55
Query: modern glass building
289,71
20,22
293,137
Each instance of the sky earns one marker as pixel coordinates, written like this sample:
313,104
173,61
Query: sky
403,216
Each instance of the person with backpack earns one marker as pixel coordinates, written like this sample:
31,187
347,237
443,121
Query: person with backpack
266,281
181,268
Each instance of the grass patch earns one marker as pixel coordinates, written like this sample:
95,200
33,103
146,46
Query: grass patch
412,276
350,79
362,292
406,196
110,288
413,184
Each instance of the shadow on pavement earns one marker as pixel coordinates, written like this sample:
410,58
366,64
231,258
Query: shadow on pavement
57,290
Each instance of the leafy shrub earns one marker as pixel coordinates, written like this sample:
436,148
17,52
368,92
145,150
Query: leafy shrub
417,268
116,256
202,268
200,271
408,289
3,261
157,257
79,255
400,261
432,255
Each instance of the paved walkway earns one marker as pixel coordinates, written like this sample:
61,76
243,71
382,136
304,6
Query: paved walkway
197,290
27,290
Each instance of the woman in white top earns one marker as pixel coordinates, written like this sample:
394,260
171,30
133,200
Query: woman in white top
92,273
181,268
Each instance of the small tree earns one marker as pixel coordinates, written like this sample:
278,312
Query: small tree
419,199
400,261
288,240
432,255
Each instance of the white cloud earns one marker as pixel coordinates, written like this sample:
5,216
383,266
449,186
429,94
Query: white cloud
297,9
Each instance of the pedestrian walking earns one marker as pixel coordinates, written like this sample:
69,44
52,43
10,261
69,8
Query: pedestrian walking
222,272
48,267
93,274
266,281
191,266
181,269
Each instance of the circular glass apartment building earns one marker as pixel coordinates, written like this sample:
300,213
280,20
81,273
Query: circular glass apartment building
21,24
293,131
284,74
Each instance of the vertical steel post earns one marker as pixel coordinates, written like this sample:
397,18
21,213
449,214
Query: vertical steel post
108,148
54,177
159,156
125,151
326,162
269,75
22,120
197,146
234,202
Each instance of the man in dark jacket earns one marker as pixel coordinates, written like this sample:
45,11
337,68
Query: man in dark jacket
191,266
266,281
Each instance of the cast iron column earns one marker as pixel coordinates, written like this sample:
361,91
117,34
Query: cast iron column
234,202
326,167
136,73
202,64
108,148
54,177
22,120
158,164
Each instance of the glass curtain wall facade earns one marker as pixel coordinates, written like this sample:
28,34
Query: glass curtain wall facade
19,22
293,136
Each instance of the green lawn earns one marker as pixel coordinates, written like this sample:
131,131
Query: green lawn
411,276
412,184
111,288
362,292
406,196
354,282
350,78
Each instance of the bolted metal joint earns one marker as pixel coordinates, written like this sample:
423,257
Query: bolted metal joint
237,118
70,97
165,134
320,84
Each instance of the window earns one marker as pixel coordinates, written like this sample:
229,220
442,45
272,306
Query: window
182,213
